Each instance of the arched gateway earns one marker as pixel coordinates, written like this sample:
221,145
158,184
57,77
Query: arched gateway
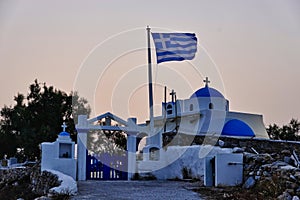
106,166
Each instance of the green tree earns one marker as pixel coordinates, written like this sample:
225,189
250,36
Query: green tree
38,118
289,131
274,131
113,142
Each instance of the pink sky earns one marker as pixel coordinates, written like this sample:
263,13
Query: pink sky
253,45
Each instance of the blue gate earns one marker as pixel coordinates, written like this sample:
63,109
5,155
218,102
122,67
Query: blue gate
107,167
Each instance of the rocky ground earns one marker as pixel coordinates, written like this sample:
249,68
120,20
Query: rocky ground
26,183
266,176
273,173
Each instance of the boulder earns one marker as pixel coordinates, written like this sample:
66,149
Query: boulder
295,198
249,183
284,196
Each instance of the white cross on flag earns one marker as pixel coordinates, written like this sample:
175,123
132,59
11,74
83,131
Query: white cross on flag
175,46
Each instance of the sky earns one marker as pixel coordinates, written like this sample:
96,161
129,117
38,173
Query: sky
248,49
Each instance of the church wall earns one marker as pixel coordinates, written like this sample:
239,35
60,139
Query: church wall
213,122
203,103
190,124
176,159
254,121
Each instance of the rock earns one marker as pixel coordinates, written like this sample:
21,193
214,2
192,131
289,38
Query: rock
286,152
288,160
249,183
297,175
290,191
248,156
257,177
266,167
43,198
258,173
38,183
279,163
221,143
294,186
293,178
284,196
298,191
288,184
247,167
295,198
288,167
237,150
266,174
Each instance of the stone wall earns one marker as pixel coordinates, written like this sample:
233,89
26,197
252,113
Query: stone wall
248,144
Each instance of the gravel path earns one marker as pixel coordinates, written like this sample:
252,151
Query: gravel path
150,190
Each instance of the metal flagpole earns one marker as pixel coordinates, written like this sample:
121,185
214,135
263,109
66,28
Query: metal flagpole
150,83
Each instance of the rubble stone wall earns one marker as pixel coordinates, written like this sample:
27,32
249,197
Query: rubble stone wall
260,145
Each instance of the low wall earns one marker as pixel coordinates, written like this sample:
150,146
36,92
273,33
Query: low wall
260,145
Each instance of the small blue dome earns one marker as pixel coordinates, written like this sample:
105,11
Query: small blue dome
207,92
237,127
64,134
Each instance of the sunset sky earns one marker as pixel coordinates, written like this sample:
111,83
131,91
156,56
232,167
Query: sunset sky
250,50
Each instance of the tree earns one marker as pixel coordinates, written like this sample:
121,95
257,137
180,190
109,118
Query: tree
286,132
274,131
105,141
38,118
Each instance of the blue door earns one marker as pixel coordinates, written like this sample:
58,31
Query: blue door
106,167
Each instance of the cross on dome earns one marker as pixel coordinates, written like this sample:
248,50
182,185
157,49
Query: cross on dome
173,93
206,81
64,126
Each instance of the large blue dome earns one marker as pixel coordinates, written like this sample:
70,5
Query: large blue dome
207,92
237,127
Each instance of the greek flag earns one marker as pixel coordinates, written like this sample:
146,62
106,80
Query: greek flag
175,46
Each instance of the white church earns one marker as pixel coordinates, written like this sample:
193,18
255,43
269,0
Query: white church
206,112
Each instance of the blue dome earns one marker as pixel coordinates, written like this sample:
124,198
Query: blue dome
236,127
64,134
207,92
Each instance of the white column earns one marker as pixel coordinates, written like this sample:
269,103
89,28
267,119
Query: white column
131,150
82,128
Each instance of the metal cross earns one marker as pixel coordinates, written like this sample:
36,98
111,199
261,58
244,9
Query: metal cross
64,126
173,93
206,81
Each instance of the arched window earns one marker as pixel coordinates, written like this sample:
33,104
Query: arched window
154,153
211,106
191,107
169,109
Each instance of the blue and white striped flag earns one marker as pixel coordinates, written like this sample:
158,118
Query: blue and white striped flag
175,46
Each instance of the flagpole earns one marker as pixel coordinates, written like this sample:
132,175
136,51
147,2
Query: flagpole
150,83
